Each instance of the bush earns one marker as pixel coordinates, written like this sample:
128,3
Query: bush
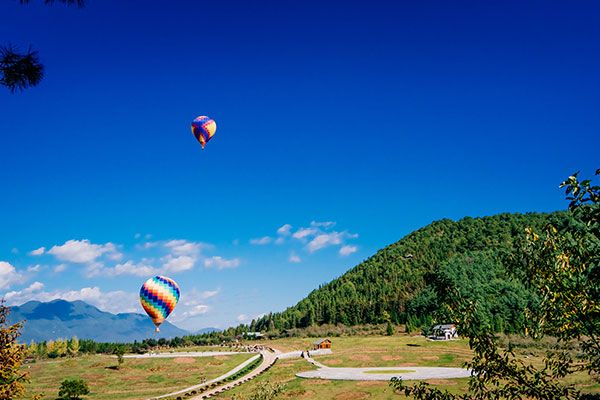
72,389
389,329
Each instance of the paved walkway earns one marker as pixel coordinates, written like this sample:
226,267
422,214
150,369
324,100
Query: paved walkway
207,383
379,374
300,353
269,359
323,371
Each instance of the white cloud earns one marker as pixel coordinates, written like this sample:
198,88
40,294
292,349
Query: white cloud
35,286
261,241
15,295
302,233
221,263
60,268
207,294
34,268
193,297
128,268
82,251
116,256
115,301
347,250
324,224
180,247
178,264
242,318
284,230
320,235
294,258
324,240
137,236
280,240
37,252
144,267
193,312
8,275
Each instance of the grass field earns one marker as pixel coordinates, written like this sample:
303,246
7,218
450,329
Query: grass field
203,348
372,351
142,378
359,351
137,378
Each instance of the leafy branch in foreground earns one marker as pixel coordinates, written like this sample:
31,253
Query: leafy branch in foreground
561,265
19,70
12,355
79,3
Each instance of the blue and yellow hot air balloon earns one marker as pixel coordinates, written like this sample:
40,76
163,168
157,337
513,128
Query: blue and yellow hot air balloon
159,296
203,129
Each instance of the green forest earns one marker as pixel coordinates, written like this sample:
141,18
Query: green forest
406,282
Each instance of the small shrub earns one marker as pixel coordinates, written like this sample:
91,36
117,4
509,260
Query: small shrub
72,389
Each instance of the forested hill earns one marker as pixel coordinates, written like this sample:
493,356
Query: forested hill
401,279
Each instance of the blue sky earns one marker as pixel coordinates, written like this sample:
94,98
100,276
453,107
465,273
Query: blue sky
353,123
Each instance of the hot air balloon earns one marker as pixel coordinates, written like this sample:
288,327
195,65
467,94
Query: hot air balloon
158,296
203,129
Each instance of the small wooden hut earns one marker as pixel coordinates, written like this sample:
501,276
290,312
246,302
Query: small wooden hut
322,344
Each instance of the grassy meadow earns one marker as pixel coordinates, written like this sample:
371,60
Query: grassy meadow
359,351
401,351
136,379
143,378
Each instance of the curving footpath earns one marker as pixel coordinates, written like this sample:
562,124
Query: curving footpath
269,359
379,374
207,383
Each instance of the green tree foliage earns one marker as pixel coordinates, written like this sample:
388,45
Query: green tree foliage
408,279
12,355
389,330
73,389
119,352
559,264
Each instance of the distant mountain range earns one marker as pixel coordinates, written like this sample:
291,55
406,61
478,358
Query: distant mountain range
64,319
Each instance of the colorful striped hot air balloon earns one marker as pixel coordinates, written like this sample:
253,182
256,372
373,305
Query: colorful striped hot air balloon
203,129
158,296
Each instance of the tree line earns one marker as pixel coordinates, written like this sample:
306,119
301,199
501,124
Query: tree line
402,283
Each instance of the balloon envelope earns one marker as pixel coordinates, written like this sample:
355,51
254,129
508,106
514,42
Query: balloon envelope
158,296
203,129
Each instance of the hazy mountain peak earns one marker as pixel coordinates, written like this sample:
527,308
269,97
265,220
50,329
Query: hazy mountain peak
63,319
